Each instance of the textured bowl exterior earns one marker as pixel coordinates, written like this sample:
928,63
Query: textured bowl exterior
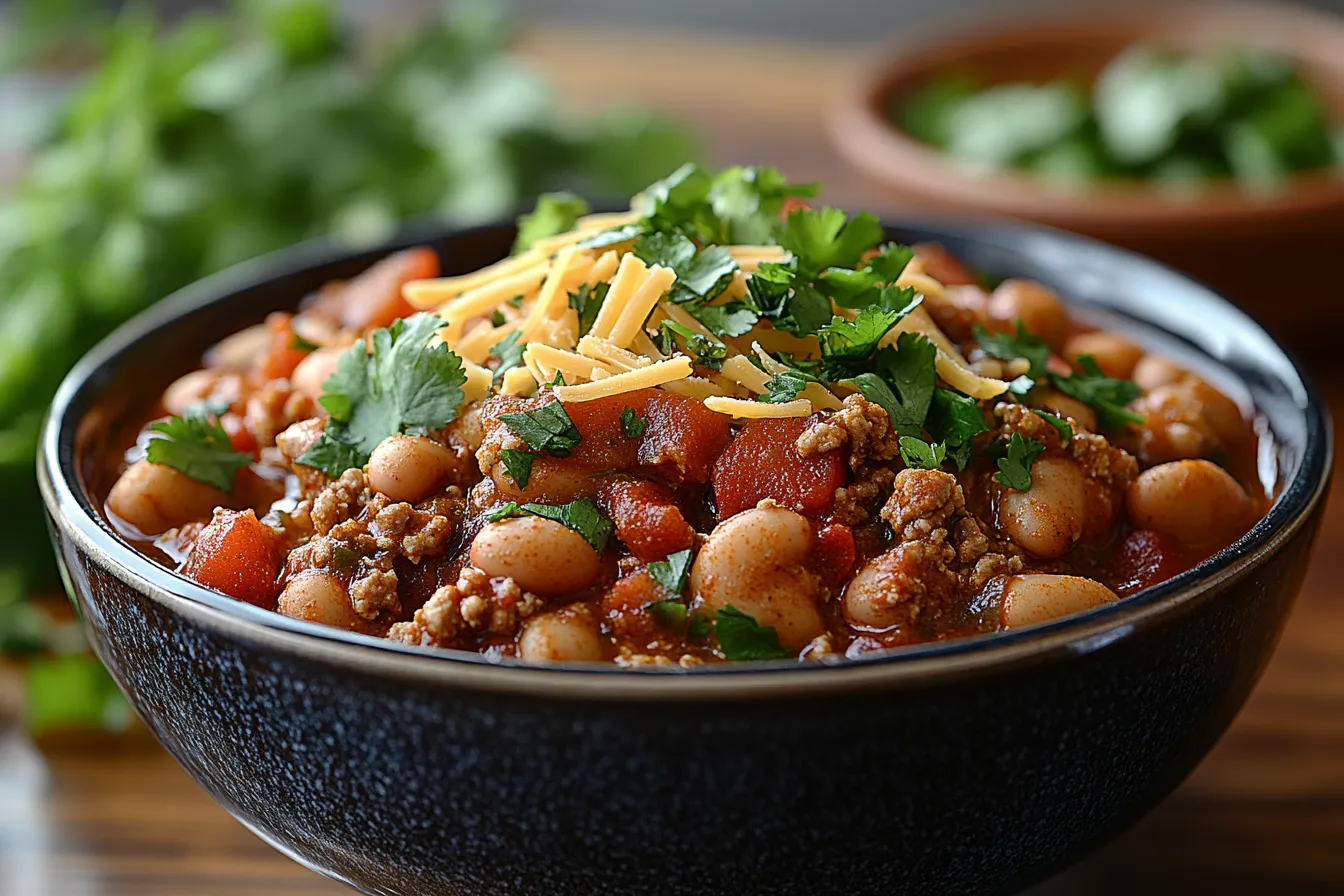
975,766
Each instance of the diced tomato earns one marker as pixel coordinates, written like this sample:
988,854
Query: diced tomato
763,462
626,603
647,518
239,435
604,445
373,299
238,555
833,555
1145,558
683,438
283,356
792,203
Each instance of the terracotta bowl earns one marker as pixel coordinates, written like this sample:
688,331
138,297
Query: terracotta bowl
1277,255
971,766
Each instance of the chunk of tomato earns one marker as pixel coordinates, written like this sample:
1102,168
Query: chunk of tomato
683,438
648,520
373,299
833,555
763,462
238,555
284,355
1144,559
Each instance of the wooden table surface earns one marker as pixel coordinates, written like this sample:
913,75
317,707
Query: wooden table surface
1264,813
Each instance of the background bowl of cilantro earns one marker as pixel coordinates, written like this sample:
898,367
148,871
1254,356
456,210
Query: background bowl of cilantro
973,765
1207,135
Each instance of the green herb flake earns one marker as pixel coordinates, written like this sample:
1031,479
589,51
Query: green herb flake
1059,423
497,318
198,448
547,428
740,637
509,351
826,238
632,425
587,301
555,213
1103,394
784,386
503,512
670,614
699,626
1007,347
707,352
518,464
299,344
672,572
582,516
920,455
1015,465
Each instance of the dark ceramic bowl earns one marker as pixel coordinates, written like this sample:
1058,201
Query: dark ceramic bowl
972,766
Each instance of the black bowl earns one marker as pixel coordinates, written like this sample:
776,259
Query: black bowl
972,766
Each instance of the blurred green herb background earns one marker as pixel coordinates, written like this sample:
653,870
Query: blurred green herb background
1152,113
153,155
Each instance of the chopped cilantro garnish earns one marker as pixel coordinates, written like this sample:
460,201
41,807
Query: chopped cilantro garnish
784,386
788,303
740,637
700,273
612,235
497,318
699,625
518,464
955,418
555,213
559,379
197,447
547,428
1059,423
1015,465
515,301
846,341
909,369
671,573
728,319
863,287
509,352
632,425
669,613
206,407
825,238
503,512
587,301
746,202
1103,394
920,455
1007,347
403,382
582,516
299,344
708,353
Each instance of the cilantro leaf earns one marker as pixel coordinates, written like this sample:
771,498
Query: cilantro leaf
582,516
671,573
503,512
920,455
632,425
708,353
698,626
547,428
587,301
747,201
954,419
742,638
909,369
198,448
1007,347
700,273
613,235
518,464
299,344
669,613
860,288
402,383
730,319
206,407
1059,423
784,386
1015,465
1105,395
673,202
790,304
510,354
825,238
844,340
555,213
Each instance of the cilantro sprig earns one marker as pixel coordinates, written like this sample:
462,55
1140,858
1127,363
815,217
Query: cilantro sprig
1015,465
587,301
403,382
920,455
632,425
555,213
672,572
707,352
1105,395
582,516
197,447
547,428
741,637
509,351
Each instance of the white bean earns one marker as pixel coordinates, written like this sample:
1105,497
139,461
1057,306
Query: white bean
1114,354
410,468
1194,501
186,390
569,634
541,555
1035,305
753,561
872,598
154,498
314,370
1033,599
1047,520
1152,371
317,596
1058,403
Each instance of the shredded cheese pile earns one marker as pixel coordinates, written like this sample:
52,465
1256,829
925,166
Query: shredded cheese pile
528,294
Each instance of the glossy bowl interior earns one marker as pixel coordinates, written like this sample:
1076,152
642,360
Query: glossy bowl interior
978,765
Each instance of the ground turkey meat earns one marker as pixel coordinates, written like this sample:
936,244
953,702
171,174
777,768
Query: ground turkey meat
863,428
475,604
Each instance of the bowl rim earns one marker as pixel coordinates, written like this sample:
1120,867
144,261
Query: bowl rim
73,513
861,132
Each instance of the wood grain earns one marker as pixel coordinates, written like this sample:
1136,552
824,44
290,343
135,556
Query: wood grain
1264,813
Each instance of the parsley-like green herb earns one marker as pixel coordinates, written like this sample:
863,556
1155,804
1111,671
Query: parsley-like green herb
1015,465
864,287
1007,347
587,301
547,428
728,319
298,343
920,455
497,318
1059,423
555,213
845,342
670,614
740,637
708,353
503,512
515,301
954,419
518,464
778,294
671,573
698,626
196,447
509,351
746,202
1105,395
825,238
402,383
701,274
909,369
559,379
582,516
632,425
206,407
784,386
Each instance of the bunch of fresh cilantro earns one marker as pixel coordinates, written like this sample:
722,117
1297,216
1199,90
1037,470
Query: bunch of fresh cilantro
175,151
